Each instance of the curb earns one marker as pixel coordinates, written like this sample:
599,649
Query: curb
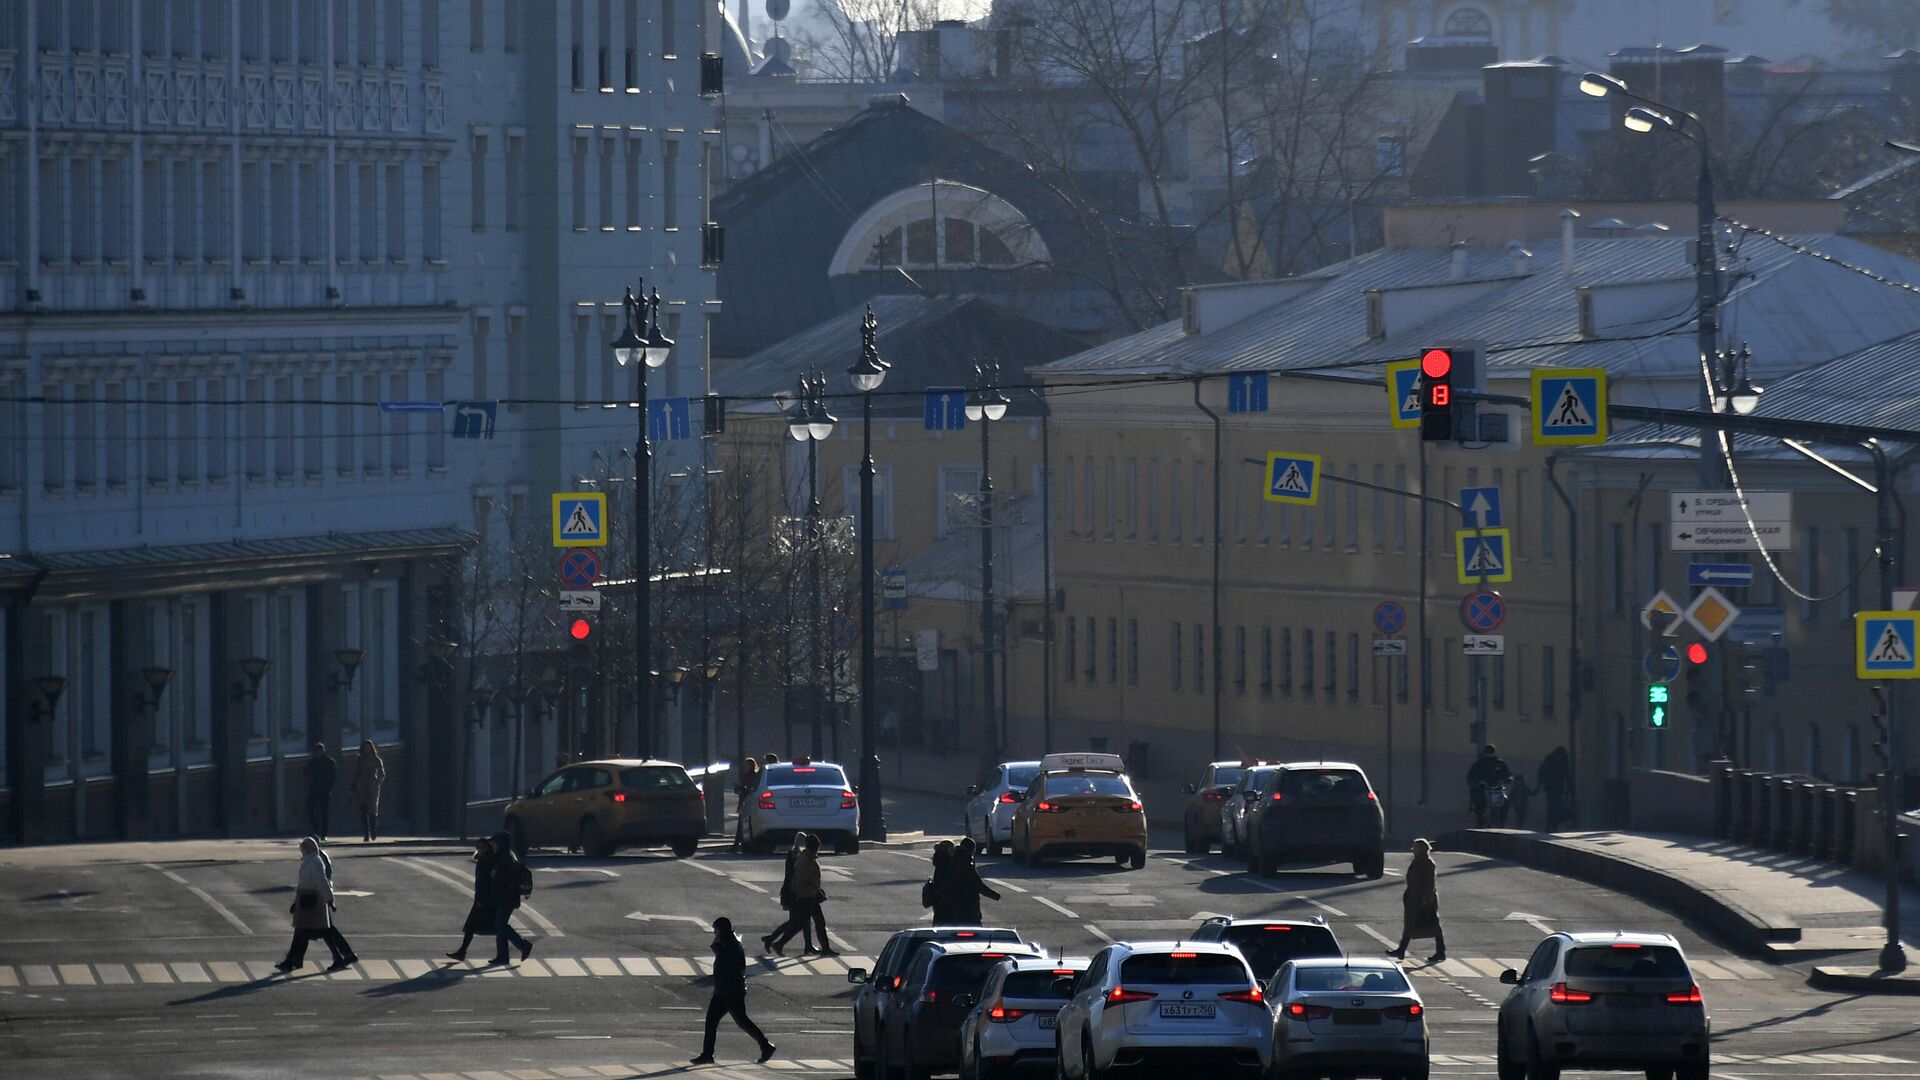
1865,980
1720,911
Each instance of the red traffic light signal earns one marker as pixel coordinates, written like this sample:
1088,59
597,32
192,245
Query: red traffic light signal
1436,395
1436,363
580,630
1696,653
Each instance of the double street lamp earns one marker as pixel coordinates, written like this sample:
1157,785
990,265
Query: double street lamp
984,405
811,423
867,373
644,347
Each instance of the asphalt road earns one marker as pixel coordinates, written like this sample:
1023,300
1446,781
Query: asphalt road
143,961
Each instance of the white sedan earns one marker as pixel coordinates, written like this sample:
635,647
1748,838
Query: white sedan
990,805
803,796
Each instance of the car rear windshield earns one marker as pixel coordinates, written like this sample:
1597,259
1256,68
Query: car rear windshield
1022,776
964,974
805,775
1365,980
1267,949
1044,985
1183,968
656,778
1087,784
1228,776
1617,962
1324,785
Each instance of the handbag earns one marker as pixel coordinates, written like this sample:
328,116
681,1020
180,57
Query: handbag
926,894
308,900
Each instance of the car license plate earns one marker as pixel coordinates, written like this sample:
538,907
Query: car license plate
1049,1021
1356,1016
1187,1011
805,803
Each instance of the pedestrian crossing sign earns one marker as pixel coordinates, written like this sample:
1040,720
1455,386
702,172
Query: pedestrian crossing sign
1883,644
580,519
1482,555
1403,382
1293,478
1569,406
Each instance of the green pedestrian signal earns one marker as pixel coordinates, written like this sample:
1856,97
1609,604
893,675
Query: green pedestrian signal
1657,706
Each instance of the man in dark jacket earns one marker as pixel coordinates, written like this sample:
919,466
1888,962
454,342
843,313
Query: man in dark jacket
1551,780
506,874
322,771
965,886
1486,772
729,992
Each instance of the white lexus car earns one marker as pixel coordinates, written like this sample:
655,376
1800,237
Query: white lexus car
803,796
990,804
1180,1008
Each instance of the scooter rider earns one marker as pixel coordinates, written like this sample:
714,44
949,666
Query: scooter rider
1483,775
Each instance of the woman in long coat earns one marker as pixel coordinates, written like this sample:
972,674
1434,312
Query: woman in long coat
312,904
369,773
480,915
1420,906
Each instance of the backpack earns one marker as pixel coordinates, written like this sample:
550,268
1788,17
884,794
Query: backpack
526,880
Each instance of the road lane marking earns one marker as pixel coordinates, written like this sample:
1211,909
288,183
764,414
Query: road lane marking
1742,968
639,965
227,971
76,975
1375,935
1057,907
465,889
114,974
190,972
1008,885
218,907
566,966
1708,969
1485,967
601,965
1328,908
1096,932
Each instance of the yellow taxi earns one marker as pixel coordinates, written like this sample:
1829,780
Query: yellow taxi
599,807
1081,804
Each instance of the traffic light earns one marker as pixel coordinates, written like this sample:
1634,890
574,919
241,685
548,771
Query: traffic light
1696,672
1436,395
1657,701
1882,733
580,630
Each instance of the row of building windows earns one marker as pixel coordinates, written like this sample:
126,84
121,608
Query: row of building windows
611,70
179,429
1261,661
367,33
1123,499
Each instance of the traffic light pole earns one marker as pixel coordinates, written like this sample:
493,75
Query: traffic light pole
1893,956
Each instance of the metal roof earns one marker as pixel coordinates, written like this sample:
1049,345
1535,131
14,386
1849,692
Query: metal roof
950,568
404,541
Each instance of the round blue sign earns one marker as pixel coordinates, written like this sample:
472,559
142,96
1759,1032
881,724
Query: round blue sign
1483,610
579,568
1389,617
1661,665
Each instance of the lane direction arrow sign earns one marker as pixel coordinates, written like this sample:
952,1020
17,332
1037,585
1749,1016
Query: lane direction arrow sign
1480,507
1729,575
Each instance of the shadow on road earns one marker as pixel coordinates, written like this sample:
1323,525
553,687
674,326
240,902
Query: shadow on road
439,978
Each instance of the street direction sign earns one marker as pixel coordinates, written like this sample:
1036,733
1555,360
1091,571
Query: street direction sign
1661,665
1482,555
1483,610
1403,382
1247,393
1480,507
1884,644
1711,613
893,589
946,408
1762,506
579,569
1389,646
1483,644
669,418
578,600
580,519
1730,575
1728,536
1662,606
1293,478
1389,617
1569,406
474,419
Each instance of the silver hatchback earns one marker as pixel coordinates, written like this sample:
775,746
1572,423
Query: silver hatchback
1603,1001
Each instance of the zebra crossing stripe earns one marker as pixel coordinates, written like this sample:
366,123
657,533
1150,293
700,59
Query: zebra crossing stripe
229,972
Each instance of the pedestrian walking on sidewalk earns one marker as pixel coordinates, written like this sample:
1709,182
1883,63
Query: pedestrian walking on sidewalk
749,783
1553,780
369,774
964,885
312,911
510,881
806,894
322,772
480,915
937,893
729,992
1519,797
1420,906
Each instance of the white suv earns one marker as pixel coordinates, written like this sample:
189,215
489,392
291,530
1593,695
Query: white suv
1611,1000
1170,1005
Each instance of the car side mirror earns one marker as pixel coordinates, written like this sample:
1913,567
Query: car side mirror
857,975
1186,789
1510,977
964,1001
973,789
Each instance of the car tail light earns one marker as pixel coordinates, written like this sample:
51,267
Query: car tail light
766,800
1277,797
1372,797
994,955
897,980
1065,971
1689,996
617,796
1299,1011
1409,1011
1251,997
1045,807
1214,796
929,997
1563,996
1280,928
1184,955
1625,945
847,801
1000,1014
805,768
1120,995
965,934
1132,808
1009,797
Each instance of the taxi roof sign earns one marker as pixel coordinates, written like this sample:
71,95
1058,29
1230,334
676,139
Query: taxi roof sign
1082,761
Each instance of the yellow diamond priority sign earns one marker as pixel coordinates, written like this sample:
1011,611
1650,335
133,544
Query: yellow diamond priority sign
1711,613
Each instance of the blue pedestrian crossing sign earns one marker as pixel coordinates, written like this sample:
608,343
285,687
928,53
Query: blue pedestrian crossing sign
579,519
1569,406
669,418
1482,555
1247,393
1883,644
1293,478
1403,382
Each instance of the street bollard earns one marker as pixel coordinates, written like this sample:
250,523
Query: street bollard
1849,827
1745,809
1723,780
1762,821
1824,821
1803,817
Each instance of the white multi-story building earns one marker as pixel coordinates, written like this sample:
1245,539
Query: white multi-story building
232,236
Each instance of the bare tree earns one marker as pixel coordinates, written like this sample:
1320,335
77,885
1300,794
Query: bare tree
1879,26
859,40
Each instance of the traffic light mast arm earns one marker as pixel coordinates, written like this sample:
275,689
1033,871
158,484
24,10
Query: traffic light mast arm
1402,492
1773,427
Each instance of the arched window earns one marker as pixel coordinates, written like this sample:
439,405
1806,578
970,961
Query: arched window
939,224
1468,22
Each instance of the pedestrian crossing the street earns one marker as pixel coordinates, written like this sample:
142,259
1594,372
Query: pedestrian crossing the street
213,972
1721,968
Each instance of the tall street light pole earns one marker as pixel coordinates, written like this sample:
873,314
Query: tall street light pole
644,347
811,424
867,373
984,406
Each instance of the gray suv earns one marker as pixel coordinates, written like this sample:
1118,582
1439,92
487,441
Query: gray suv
1316,812
1603,1001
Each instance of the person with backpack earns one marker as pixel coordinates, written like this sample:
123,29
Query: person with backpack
729,992
964,885
511,881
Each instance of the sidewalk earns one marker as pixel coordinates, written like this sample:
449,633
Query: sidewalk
1783,907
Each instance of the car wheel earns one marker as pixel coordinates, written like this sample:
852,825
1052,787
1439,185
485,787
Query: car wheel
911,1071
995,848
1120,860
517,838
1537,1067
684,849
1191,845
862,1061
1139,859
848,846
1659,1072
1503,1063
1059,1059
1370,866
1088,1070
591,841
1693,1072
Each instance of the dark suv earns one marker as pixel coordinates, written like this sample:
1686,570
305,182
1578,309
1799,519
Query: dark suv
920,1033
1320,811
877,987
1269,943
